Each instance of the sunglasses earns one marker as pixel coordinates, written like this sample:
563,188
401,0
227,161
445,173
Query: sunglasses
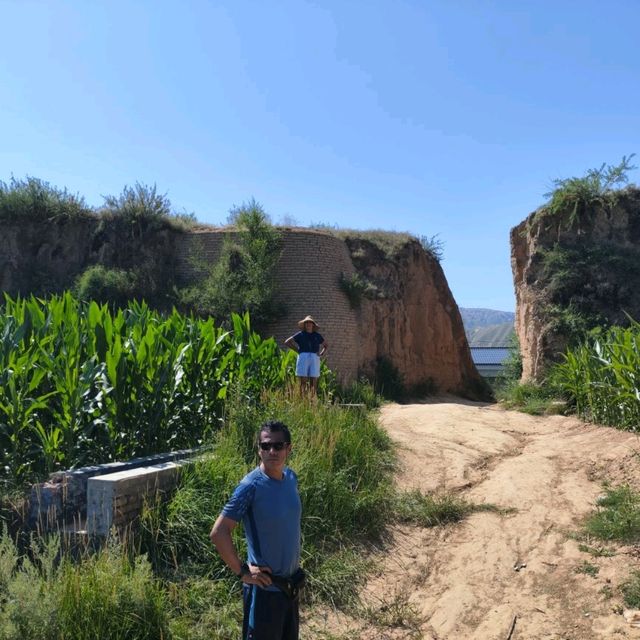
278,446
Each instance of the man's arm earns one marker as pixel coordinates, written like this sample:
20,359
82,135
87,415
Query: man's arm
323,348
221,537
291,343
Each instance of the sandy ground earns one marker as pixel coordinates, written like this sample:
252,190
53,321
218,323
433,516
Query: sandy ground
503,577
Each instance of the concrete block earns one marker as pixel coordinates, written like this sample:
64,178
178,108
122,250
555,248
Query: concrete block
117,499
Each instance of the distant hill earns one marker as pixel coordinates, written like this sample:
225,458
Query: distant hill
487,327
493,335
472,318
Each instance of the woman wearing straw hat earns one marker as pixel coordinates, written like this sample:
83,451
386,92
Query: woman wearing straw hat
310,345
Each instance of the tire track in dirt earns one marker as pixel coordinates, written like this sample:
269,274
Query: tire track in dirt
471,580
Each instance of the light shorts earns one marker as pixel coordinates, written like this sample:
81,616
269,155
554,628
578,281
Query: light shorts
308,365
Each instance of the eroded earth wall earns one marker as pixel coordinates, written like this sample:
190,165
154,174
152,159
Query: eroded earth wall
585,270
410,319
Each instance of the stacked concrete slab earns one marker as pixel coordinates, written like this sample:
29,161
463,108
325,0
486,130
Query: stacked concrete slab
69,499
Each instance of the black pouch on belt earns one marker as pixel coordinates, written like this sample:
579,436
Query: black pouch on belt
292,586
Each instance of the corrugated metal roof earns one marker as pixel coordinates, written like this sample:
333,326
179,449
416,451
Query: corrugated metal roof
487,355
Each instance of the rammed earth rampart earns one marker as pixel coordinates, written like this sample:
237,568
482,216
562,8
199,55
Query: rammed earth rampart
412,322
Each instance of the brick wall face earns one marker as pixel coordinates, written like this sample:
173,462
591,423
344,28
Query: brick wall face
308,277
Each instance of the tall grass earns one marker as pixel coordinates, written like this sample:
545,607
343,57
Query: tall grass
344,463
602,377
81,384
103,596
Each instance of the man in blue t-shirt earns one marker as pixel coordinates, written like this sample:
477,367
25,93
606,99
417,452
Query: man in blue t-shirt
268,504
310,345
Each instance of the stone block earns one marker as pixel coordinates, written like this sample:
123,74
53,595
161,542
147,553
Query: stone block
117,499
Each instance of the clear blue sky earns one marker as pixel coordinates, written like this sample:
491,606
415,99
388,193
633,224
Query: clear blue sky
446,117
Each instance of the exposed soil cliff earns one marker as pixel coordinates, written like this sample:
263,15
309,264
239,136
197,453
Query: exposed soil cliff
571,277
47,256
412,319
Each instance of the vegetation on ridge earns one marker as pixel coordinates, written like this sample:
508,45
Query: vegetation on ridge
573,200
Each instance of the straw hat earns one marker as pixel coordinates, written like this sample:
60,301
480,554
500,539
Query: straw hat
308,319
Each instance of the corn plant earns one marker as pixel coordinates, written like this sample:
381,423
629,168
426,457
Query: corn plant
602,377
81,384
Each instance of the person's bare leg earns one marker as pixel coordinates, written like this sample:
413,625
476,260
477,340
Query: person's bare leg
314,386
303,385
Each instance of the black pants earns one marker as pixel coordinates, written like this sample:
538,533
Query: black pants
268,615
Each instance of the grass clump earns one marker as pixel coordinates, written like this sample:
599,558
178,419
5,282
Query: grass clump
533,398
631,590
617,516
573,200
588,569
34,199
395,612
389,243
597,552
434,509
202,609
102,596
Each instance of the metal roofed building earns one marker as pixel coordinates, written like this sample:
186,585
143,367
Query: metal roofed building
489,360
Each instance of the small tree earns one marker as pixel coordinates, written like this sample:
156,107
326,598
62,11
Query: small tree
243,278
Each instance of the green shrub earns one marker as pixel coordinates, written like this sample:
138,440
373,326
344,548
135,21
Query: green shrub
388,381
141,208
114,286
102,597
34,199
243,278
433,245
424,388
360,391
588,285
356,287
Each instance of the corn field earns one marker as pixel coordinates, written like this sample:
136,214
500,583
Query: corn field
80,384
602,377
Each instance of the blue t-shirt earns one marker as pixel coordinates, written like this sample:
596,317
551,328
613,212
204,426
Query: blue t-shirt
308,342
270,511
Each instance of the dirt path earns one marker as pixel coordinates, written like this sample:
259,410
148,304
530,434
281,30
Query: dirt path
493,576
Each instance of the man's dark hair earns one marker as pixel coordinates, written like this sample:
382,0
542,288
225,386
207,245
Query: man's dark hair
274,426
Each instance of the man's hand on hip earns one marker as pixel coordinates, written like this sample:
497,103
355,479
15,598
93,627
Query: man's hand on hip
258,575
